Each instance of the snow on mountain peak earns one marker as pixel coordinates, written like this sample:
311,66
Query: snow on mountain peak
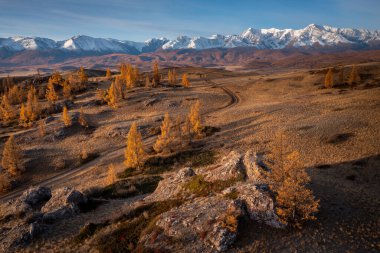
271,38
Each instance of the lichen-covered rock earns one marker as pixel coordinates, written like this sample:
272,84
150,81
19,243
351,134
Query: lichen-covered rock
230,167
65,202
254,166
259,204
206,224
171,186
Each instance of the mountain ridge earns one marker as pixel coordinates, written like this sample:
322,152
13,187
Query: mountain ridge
271,38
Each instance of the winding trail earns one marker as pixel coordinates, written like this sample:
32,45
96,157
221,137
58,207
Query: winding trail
69,174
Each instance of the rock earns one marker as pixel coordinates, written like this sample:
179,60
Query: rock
29,201
171,186
259,204
37,195
64,203
229,167
254,166
205,224
36,229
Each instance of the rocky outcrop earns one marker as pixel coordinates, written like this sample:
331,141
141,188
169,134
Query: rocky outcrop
258,203
205,224
230,167
171,186
254,166
29,201
64,203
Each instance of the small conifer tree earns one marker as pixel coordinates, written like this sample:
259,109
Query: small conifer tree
12,160
164,139
185,81
32,105
134,153
156,73
51,95
6,109
111,175
82,120
113,96
66,118
108,73
354,76
83,78
329,79
23,120
195,118
67,90
147,82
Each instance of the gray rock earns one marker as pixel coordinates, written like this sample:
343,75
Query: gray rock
254,166
259,204
206,224
171,186
64,203
230,167
29,201
36,229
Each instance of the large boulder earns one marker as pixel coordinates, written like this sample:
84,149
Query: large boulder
171,186
230,167
64,203
254,166
258,203
29,201
205,224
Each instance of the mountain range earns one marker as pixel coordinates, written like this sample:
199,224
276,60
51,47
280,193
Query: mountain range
312,35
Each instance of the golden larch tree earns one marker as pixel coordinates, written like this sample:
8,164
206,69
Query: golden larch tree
32,105
42,128
113,96
51,95
287,179
185,81
195,118
134,152
108,73
329,79
156,73
354,76
164,139
82,120
66,118
111,175
6,109
83,78
23,120
12,160
67,90
147,82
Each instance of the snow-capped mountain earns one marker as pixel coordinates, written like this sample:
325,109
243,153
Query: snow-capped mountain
258,38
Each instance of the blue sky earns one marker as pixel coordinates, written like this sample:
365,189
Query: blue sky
139,20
